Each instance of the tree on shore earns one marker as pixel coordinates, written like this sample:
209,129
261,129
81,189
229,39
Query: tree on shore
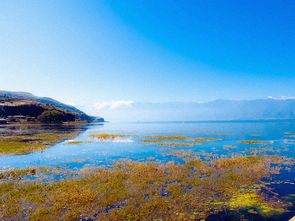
51,117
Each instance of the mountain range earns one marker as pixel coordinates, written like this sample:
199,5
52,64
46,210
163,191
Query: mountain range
218,110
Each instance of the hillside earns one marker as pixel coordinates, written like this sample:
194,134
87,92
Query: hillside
22,106
44,100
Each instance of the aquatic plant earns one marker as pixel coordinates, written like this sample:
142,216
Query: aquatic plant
149,190
162,137
288,133
158,138
229,146
10,148
78,142
203,139
251,142
22,144
104,137
224,134
168,143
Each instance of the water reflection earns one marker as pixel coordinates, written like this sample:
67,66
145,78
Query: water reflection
101,144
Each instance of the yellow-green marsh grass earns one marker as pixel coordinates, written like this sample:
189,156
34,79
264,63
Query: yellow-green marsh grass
224,134
78,142
203,139
168,143
104,137
22,144
15,148
229,146
161,137
182,138
251,142
148,191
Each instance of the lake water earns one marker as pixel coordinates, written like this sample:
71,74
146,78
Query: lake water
277,137
276,134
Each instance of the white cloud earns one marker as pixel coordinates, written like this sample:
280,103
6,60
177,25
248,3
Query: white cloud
287,98
281,98
112,104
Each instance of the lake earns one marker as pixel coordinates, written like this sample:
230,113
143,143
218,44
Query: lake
135,141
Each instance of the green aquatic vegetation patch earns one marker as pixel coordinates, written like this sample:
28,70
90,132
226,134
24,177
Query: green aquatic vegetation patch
161,137
146,190
229,146
39,174
181,138
22,144
224,134
104,137
252,199
15,148
78,142
203,139
16,173
168,143
288,133
160,140
251,142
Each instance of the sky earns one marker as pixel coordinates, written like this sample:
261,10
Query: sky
117,52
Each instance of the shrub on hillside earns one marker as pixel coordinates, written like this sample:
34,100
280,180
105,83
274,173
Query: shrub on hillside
51,117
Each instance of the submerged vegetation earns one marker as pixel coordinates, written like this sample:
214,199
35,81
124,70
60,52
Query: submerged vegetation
168,143
229,146
12,147
158,140
103,137
30,138
193,186
153,191
21,144
251,142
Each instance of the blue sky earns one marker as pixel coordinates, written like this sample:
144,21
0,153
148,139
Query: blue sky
86,52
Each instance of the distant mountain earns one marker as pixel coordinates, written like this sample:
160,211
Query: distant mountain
214,110
30,106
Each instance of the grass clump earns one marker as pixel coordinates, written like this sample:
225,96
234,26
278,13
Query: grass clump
203,139
168,143
23,144
161,137
17,173
147,191
224,134
251,142
229,146
179,138
15,148
251,199
103,137
78,142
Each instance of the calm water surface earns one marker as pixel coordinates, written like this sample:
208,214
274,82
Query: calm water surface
277,136
273,133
